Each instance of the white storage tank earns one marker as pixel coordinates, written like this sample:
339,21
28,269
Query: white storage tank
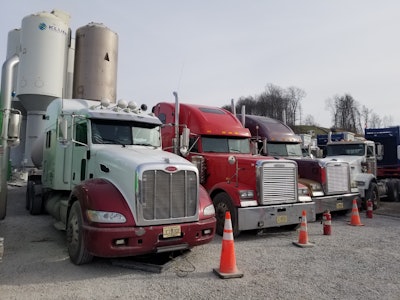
43,58
96,60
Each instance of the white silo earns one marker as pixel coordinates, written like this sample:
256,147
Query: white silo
96,61
43,59
45,40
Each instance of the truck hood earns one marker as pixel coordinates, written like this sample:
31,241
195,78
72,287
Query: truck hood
123,166
354,161
347,158
132,156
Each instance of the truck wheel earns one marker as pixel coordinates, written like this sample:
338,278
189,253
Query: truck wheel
35,199
222,204
373,195
75,240
393,191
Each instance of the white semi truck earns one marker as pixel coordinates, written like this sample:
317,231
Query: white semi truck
97,165
111,187
362,156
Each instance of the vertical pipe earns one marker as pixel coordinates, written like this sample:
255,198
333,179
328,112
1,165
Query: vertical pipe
243,115
6,90
233,108
176,144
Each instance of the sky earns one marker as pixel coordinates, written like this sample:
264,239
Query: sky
212,51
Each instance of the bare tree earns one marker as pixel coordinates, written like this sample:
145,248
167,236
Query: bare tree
330,105
294,96
375,121
250,103
346,114
272,102
365,115
309,120
285,105
387,121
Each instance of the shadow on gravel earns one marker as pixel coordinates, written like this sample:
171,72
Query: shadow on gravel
391,209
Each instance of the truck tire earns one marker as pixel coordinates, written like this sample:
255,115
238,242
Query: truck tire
35,199
393,190
373,195
75,240
222,203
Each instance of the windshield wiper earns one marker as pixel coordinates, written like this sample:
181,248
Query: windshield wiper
112,141
144,144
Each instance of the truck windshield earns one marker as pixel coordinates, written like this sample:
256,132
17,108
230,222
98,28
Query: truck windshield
345,149
225,145
284,149
125,133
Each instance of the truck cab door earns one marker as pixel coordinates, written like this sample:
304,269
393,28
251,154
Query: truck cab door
79,152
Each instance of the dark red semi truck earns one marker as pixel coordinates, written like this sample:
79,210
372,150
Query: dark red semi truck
328,181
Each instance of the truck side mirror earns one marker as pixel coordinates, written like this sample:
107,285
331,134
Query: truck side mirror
62,132
264,148
379,151
14,128
184,142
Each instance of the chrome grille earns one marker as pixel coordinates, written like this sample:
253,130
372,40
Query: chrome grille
337,177
165,195
278,182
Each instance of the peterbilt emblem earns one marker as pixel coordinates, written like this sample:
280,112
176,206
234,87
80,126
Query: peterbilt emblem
171,169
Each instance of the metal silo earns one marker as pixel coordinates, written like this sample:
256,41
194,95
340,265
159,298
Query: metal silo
45,40
43,58
96,59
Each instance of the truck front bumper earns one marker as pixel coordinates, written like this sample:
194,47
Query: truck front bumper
132,241
258,217
336,202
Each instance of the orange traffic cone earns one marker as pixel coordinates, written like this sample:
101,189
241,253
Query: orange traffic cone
303,235
227,267
355,217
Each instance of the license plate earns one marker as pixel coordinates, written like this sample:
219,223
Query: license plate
339,205
171,231
281,219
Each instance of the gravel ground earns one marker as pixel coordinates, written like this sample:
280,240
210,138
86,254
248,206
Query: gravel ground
352,263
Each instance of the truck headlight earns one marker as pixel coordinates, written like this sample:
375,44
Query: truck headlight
304,194
246,194
105,216
355,184
316,189
209,210
303,191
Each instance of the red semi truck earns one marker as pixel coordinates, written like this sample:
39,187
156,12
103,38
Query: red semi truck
259,191
329,181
